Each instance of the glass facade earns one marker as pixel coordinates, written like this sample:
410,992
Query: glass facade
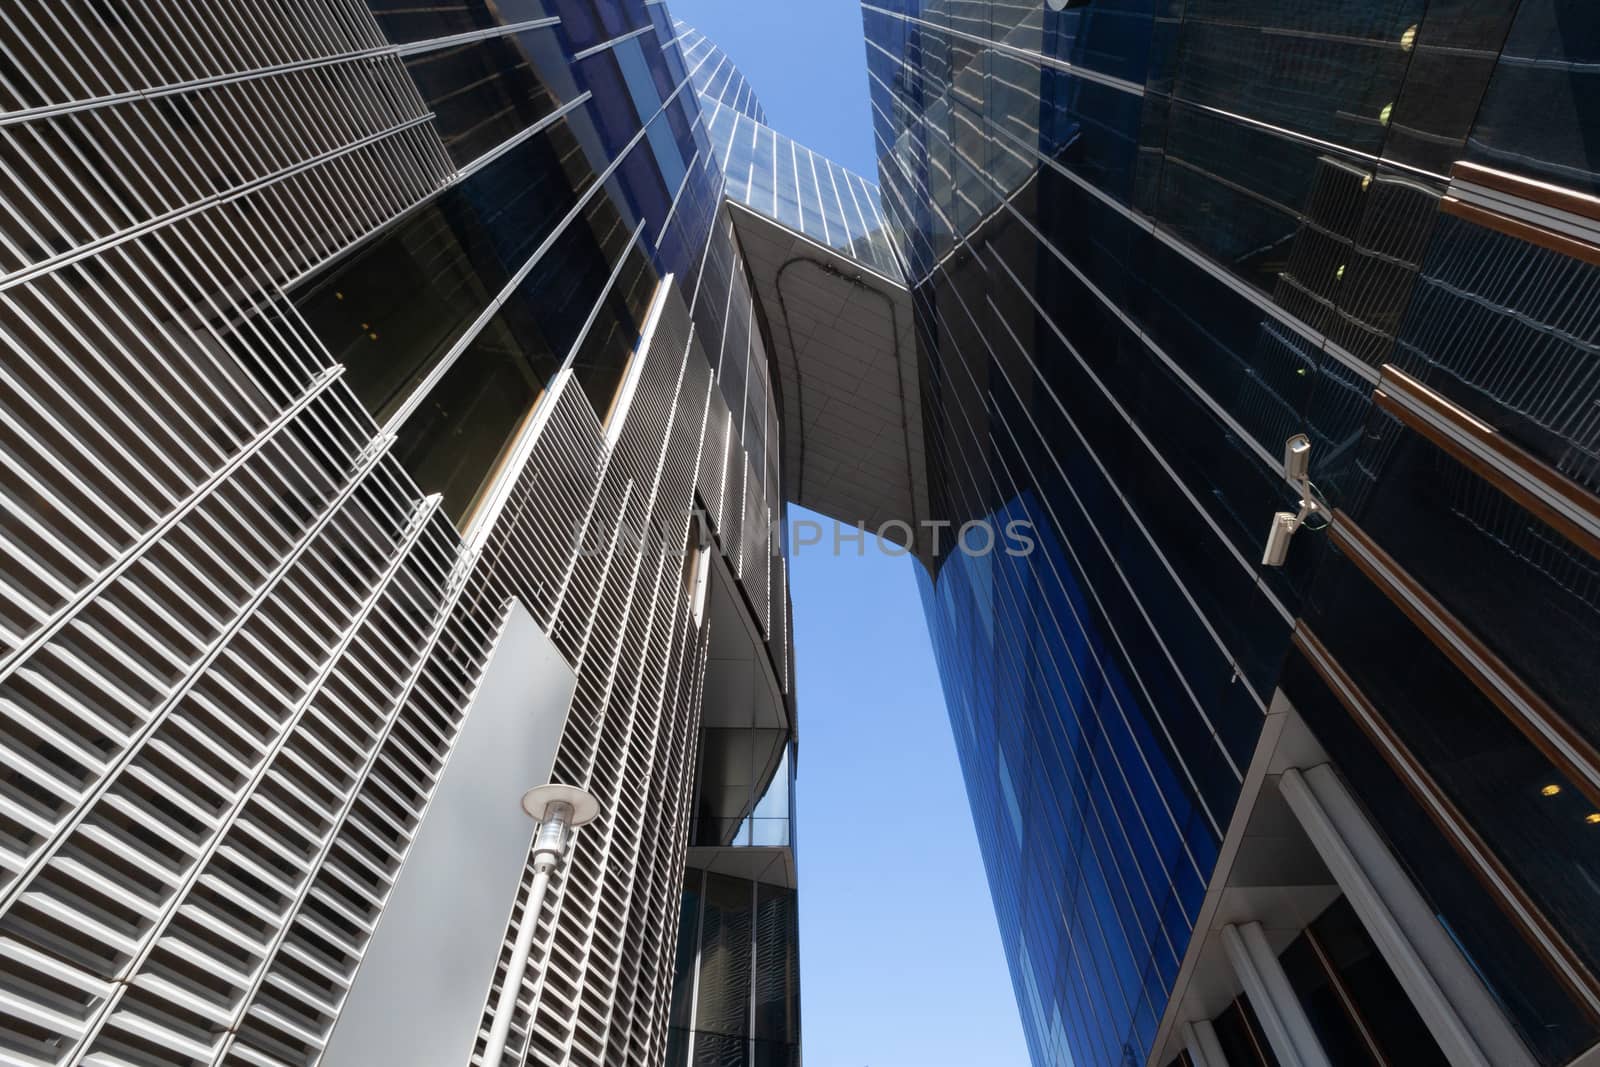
771,174
737,1001
1149,240
735,776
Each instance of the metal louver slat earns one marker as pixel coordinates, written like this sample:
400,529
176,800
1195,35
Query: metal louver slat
173,517
128,745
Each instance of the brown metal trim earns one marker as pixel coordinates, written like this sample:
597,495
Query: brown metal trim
1246,1015
1492,457
1569,751
1336,983
1552,196
1502,886
1523,231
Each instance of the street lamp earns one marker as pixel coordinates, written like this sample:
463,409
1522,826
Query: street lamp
558,809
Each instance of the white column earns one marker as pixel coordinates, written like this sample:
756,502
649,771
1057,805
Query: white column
1200,1040
1452,1002
1282,1018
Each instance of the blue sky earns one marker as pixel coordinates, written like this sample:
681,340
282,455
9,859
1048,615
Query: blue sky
808,62
900,957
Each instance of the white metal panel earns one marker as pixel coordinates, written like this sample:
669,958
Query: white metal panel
432,955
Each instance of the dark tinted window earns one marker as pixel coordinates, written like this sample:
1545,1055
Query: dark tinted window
407,20
455,441
390,311
1239,1033
1530,815
1552,1024
1372,992
480,93
1541,115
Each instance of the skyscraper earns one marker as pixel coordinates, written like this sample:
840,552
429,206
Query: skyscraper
1341,810
366,367
398,408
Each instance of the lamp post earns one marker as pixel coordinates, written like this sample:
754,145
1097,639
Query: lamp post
558,809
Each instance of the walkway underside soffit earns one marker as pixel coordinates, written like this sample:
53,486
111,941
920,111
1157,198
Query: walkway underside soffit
844,350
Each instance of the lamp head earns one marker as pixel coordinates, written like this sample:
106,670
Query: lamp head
583,804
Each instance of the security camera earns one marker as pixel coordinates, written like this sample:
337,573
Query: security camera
1296,469
1284,524
1297,458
